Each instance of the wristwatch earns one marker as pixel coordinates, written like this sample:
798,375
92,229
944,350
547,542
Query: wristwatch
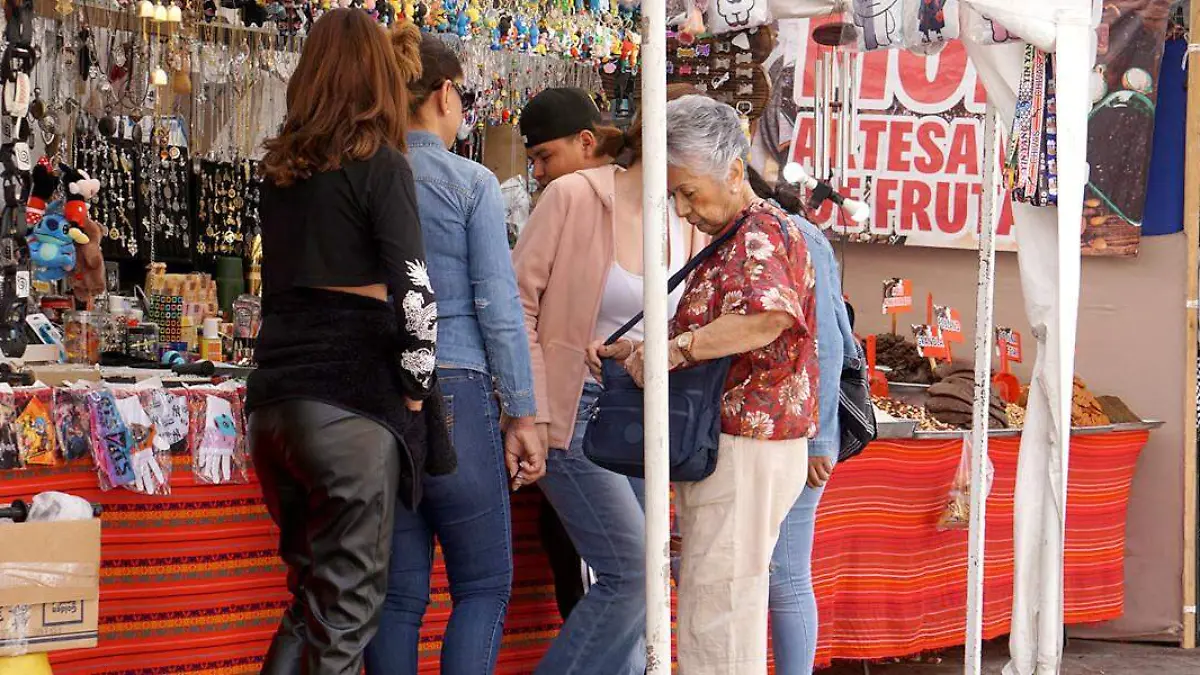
683,342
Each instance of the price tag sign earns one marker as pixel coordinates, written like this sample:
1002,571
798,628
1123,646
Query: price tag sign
949,323
1010,341
897,296
23,284
930,342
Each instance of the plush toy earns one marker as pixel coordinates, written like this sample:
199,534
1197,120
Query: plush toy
51,248
78,190
44,185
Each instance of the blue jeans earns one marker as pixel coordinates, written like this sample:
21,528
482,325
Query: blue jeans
605,633
468,512
793,604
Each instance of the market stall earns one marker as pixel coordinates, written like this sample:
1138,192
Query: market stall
191,582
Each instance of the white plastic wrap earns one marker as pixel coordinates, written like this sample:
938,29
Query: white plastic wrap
929,25
880,23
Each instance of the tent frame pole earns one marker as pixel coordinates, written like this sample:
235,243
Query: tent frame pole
972,663
1191,229
654,233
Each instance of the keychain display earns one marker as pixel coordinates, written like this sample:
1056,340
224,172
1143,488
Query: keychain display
217,435
227,207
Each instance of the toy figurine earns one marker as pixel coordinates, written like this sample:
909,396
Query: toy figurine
78,190
51,248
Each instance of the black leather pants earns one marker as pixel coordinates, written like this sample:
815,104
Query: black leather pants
329,478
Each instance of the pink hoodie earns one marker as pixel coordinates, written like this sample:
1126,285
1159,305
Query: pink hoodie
562,262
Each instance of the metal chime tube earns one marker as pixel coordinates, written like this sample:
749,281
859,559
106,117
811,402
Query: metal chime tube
819,117
654,232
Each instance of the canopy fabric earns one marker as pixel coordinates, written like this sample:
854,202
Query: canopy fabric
1048,249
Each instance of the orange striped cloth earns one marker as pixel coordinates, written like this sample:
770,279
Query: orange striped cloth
191,584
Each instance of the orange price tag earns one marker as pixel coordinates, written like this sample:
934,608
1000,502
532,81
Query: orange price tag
1010,341
949,323
897,296
930,342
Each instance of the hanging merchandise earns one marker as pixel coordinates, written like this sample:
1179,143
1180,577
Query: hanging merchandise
1031,170
73,422
835,102
227,207
217,434
984,31
880,23
929,25
728,16
10,453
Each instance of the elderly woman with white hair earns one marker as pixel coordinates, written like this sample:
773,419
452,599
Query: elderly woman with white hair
752,300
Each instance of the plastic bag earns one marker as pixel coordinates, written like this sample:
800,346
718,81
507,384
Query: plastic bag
984,31
37,438
880,23
112,444
929,25
10,452
217,432
168,409
957,513
74,422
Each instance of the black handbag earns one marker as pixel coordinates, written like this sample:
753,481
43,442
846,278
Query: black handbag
614,439
856,414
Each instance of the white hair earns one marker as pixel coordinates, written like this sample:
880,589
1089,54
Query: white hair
704,136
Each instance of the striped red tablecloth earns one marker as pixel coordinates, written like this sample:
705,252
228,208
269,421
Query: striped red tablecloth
191,583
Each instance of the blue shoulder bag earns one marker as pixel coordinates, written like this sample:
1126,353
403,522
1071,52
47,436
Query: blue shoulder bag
615,437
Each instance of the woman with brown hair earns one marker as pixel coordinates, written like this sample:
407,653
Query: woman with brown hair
344,409
483,368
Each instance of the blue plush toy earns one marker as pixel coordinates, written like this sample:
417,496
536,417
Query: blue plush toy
51,248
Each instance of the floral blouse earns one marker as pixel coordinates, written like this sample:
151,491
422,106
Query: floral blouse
771,393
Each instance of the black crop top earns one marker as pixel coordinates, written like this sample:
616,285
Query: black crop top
356,226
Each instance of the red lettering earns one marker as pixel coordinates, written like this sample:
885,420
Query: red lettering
802,147
872,87
931,135
951,218
899,146
885,204
872,131
915,197
963,157
923,93
1005,226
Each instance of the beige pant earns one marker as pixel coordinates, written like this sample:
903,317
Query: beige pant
729,523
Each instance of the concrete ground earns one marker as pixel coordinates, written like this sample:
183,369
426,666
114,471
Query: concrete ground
1082,658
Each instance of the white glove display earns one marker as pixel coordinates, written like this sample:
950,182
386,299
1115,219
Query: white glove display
218,442
150,477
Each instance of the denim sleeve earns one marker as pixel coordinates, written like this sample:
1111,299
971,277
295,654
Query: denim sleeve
497,304
830,349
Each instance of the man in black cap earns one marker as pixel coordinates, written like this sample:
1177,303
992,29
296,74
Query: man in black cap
559,129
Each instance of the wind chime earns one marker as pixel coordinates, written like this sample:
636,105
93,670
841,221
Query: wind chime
835,103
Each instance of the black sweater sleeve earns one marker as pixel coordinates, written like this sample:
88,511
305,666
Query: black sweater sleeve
396,229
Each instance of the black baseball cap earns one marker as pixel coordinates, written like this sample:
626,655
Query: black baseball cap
557,113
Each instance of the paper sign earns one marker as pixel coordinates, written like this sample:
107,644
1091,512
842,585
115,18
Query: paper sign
1010,340
897,296
930,343
949,323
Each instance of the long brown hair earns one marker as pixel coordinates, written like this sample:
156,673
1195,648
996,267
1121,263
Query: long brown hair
438,64
626,146
346,100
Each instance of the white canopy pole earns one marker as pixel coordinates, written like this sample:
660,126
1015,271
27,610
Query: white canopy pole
980,481
654,221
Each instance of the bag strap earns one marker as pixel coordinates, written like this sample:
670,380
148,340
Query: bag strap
682,274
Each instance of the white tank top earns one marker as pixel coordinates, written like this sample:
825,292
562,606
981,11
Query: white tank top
622,297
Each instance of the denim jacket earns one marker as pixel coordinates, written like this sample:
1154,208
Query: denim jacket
836,346
481,325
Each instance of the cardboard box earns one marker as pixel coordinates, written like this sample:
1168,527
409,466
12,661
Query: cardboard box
49,586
